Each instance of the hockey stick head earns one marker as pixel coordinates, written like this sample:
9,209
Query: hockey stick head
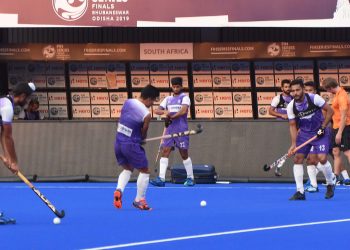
199,128
60,214
266,168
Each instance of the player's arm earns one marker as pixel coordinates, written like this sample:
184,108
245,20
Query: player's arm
293,135
328,113
9,146
181,112
162,108
343,107
272,111
144,129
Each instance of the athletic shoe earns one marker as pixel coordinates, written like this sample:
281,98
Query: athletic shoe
297,196
311,189
118,198
346,182
4,220
330,191
142,205
189,182
278,172
158,182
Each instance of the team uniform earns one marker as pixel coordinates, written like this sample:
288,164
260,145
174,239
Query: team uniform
309,119
280,102
128,150
173,104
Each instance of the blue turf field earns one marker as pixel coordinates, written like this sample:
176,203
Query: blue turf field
237,216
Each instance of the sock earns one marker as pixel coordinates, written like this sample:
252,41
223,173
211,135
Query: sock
123,179
317,171
327,171
311,171
298,176
142,184
188,166
163,165
345,174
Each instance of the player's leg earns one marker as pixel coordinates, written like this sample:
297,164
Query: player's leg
311,162
124,176
183,143
142,185
298,172
346,149
321,147
163,163
344,172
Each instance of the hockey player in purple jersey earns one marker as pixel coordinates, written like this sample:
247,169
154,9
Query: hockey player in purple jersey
305,112
132,130
176,108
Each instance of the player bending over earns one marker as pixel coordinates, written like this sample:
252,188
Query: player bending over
176,108
132,130
19,97
305,112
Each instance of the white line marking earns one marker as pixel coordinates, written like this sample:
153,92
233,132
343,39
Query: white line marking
180,187
218,234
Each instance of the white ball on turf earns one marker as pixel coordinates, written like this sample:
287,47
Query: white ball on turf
203,203
56,221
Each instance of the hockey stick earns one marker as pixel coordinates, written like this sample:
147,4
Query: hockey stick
41,196
279,162
159,148
179,134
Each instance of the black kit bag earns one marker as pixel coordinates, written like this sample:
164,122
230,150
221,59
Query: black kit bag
203,174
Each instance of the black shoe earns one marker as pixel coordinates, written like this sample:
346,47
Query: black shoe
330,191
297,196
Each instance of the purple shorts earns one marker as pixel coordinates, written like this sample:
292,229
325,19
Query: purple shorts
131,154
318,146
182,142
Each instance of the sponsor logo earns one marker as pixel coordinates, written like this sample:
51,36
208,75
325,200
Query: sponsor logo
238,98
70,10
199,98
217,80
323,66
54,111
262,111
76,98
325,97
235,67
51,81
219,111
93,81
96,111
49,51
136,81
114,98
344,79
273,49
279,66
260,80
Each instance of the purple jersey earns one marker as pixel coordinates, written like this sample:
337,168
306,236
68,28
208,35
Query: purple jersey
281,102
308,113
173,104
131,120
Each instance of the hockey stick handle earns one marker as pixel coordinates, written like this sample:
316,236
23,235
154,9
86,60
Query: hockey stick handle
304,144
174,135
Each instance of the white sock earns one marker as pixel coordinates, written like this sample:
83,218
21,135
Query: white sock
163,165
123,179
142,184
298,176
345,174
327,171
311,171
188,166
317,171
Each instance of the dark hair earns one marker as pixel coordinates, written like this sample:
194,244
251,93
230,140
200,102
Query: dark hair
176,81
297,82
34,101
285,81
329,83
310,84
149,92
23,88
